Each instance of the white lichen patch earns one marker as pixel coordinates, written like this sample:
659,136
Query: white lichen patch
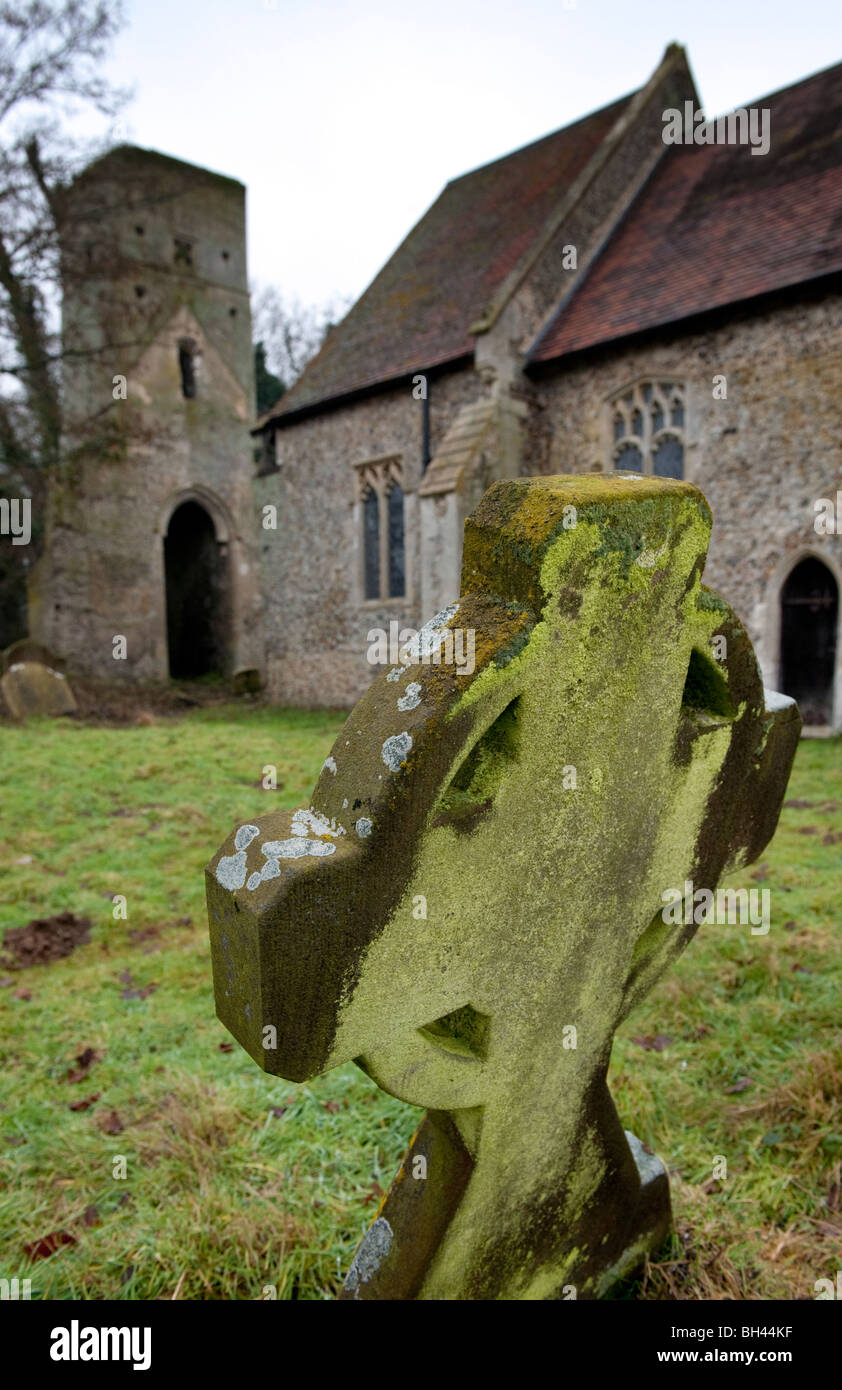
412,698
310,822
363,827
296,849
245,835
374,1247
396,750
275,850
344,803
286,849
396,673
231,870
430,638
271,869
330,764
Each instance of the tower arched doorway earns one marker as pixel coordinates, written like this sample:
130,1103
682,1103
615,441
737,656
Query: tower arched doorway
809,626
196,577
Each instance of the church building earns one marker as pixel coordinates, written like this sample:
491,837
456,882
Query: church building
641,290
604,298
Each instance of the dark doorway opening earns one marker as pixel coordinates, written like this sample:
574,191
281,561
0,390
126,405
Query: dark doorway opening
195,570
809,622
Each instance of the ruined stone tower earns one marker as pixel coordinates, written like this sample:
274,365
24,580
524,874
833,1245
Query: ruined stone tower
150,532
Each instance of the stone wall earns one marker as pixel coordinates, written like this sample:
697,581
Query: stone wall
762,456
315,618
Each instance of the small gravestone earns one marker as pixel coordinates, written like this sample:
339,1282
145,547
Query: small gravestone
27,649
30,688
471,904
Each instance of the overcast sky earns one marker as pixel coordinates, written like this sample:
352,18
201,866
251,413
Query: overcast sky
344,118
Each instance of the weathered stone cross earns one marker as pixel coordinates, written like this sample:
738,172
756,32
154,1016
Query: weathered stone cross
472,903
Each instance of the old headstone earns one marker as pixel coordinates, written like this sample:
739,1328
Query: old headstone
27,649
472,903
29,688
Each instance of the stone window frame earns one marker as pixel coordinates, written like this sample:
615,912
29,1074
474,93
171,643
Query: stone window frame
377,476
631,401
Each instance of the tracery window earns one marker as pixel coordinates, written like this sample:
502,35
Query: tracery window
647,428
381,499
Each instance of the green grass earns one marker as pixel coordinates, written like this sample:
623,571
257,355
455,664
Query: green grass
222,1197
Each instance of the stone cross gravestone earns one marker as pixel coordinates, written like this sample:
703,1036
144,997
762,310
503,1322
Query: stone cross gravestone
471,904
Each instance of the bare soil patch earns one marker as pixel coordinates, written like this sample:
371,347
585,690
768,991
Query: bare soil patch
45,939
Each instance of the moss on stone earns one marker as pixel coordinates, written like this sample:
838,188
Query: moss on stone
539,892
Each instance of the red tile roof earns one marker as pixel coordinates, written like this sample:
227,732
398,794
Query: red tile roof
716,224
418,311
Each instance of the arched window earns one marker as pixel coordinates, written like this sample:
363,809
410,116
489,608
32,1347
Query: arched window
668,457
371,543
381,499
629,458
647,429
395,558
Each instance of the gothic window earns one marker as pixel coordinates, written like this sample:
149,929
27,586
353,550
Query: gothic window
629,458
668,457
381,499
395,509
371,543
647,429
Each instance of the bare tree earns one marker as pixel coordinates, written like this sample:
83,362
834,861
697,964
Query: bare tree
292,332
51,55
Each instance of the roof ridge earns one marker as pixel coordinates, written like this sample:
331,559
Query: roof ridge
585,318
550,135
127,147
291,400
674,56
781,91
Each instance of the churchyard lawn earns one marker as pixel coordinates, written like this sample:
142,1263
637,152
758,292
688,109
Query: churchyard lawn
241,1186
